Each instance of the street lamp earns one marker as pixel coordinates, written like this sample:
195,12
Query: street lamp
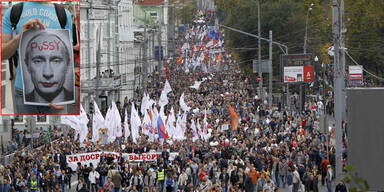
302,86
306,28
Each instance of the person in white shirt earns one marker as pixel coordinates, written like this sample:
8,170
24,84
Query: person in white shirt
329,178
296,180
93,176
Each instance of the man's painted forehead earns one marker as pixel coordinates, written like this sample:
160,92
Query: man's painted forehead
45,43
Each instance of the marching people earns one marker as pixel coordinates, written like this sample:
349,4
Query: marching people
270,148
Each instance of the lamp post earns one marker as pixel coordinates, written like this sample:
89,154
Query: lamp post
302,86
259,50
316,59
306,28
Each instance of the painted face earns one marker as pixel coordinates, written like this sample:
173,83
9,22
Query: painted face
47,64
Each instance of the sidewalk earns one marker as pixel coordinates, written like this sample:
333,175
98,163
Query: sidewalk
321,187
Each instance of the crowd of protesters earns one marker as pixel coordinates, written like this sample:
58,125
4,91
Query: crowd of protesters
273,148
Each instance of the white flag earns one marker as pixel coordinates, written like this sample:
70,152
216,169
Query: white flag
144,104
209,44
162,115
199,132
170,127
146,125
155,115
182,104
71,121
163,99
195,136
97,123
126,127
109,123
196,85
135,123
117,121
178,129
167,87
83,132
83,115
205,126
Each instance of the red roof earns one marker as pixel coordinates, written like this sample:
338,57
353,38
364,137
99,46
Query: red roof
149,2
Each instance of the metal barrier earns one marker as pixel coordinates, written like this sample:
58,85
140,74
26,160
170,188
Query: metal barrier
5,160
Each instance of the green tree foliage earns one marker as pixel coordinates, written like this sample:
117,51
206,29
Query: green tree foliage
287,20
365,29
186,11
356,183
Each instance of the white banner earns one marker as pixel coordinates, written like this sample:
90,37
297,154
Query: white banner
94,158
293,74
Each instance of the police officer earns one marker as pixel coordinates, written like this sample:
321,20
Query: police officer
160,179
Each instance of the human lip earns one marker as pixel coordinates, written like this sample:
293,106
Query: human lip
48,84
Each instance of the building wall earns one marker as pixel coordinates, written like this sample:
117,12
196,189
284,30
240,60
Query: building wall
118,57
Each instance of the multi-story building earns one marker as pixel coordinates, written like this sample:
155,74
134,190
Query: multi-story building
123,50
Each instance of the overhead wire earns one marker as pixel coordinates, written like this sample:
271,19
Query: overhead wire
354,61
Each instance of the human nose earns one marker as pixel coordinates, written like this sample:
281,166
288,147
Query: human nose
48,71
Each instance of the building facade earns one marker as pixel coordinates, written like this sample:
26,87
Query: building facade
124,54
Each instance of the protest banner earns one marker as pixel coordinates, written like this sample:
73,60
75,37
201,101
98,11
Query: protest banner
94,158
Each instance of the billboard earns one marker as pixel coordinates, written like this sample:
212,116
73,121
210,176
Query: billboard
297,68
298,74
355,73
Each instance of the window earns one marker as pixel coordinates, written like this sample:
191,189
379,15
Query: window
3,96
41,119
19,119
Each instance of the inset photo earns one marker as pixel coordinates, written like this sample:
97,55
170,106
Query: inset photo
40,58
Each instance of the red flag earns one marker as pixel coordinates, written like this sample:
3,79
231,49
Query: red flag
166,71
150,113
234,118
193,49
179,60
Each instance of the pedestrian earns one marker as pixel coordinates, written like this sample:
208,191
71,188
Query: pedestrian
93,178
340,187
329,178
108,185
296,180
81,187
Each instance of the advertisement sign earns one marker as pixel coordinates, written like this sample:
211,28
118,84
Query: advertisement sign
293,74
297,68
94,158
355,73
308,73
298,74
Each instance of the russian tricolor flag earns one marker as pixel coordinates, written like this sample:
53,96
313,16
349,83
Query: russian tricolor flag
161,128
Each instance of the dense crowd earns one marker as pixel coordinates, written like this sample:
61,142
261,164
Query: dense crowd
272,147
